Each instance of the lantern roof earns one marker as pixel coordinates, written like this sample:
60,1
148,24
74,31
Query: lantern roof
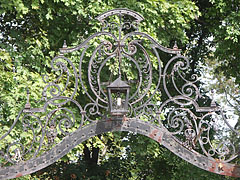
118,83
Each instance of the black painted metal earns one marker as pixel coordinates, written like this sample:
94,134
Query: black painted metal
121,53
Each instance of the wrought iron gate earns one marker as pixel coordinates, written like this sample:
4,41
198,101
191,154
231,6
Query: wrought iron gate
125,81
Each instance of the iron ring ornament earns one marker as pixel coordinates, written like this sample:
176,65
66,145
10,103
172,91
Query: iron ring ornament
123,80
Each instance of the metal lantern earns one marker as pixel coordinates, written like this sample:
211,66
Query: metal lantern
189,129
118,95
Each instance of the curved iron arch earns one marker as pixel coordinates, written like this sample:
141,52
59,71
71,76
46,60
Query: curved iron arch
179,123
159,134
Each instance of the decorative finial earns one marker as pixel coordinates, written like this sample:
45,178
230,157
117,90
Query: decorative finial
213,103
64,44
27,105
175,47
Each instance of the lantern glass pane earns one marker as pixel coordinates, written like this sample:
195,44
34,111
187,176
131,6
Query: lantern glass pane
118,100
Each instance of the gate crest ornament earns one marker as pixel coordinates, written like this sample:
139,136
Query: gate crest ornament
121,79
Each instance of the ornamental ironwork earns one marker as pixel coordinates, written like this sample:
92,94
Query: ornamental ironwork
119,79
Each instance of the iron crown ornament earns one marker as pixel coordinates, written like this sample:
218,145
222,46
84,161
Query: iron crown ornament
128,83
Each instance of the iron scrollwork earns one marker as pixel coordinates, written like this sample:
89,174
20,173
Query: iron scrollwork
163,94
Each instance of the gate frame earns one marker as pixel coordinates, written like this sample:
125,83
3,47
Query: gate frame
112,123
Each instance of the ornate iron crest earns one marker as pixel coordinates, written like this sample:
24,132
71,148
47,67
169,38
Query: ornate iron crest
163,102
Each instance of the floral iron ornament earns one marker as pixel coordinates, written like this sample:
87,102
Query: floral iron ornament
128,83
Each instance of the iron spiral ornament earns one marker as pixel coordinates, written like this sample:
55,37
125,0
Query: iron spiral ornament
163,102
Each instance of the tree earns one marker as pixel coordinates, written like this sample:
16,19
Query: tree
219,35
32,31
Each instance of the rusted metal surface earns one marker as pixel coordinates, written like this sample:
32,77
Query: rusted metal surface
159,134
164,103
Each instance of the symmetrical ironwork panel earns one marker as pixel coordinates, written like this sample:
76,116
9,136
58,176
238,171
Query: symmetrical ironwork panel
164,102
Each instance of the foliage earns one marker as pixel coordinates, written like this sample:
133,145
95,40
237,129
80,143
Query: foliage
216,33
219,34
33,30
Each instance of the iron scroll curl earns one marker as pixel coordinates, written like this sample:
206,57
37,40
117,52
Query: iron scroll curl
163,102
